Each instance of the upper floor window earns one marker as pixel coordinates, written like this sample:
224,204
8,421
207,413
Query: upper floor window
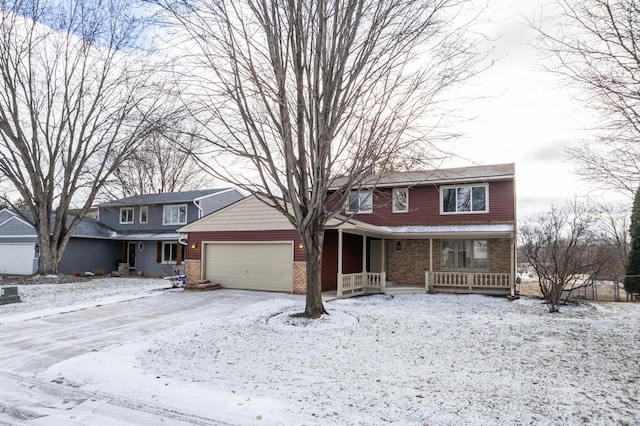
400,200
144,214
465,254
465,199
360,202
174,215
126,215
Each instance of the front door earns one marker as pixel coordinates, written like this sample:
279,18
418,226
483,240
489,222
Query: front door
375,256
131,254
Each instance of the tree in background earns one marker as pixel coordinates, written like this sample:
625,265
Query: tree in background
293,94
632,278
565,249
597,47
78,94
164,162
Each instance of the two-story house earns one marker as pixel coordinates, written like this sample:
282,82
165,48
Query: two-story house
139,232
440,230
146,225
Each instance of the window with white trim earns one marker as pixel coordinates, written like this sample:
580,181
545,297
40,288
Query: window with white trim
174,215
464,199
360,202
126,215
170,252
400,200
144,214
465,254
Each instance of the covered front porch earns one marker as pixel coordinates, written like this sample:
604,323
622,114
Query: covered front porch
381,247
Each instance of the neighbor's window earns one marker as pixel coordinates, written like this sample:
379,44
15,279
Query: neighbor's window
126,215
174,215
144,214
170,252
360,202
465,199
400,200
465,254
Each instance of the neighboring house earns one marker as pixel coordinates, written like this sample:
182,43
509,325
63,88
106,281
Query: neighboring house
90,248
443,230
146,225
139,231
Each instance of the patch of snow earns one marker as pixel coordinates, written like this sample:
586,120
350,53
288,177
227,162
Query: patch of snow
42,300
408,359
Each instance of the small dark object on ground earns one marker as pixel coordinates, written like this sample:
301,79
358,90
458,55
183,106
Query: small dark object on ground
9,295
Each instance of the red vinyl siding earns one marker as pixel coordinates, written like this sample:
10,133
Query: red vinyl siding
424,207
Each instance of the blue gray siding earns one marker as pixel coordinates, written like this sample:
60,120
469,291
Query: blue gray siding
85,254
110,216
16,227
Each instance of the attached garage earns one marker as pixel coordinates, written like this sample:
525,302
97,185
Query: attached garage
17,258
250,265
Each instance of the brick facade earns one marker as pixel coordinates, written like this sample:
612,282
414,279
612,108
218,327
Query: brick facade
193,270
299,278
407,260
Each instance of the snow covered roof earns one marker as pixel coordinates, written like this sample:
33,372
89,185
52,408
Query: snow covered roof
452,175
449,230
359,227
163,198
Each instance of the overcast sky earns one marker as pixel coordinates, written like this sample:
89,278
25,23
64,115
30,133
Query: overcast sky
528,117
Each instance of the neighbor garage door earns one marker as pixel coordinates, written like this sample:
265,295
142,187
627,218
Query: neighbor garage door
250,266
16,258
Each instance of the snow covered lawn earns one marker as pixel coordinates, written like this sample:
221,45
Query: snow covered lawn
409,359
46,298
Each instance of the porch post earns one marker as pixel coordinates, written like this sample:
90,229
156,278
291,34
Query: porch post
339,287
364,253
513,266
383,276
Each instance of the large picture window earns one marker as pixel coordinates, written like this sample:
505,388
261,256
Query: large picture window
174,215
465,199
360,202
170,252
465,254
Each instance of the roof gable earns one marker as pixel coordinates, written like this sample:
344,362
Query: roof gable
15,226
248,214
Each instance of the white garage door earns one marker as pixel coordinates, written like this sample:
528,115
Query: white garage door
16,258
250,266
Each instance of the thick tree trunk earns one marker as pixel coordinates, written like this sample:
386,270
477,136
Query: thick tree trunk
49,259
313,241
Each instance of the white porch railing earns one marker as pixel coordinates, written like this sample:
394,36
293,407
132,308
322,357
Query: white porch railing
469,280
361,283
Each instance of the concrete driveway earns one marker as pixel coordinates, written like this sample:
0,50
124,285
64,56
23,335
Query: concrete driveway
32,346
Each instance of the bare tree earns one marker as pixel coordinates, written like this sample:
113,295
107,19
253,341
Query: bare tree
564,249
295,93
77,95
597,47
164,162
613,228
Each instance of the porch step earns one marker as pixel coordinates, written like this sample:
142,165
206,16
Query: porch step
404,289
201,285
